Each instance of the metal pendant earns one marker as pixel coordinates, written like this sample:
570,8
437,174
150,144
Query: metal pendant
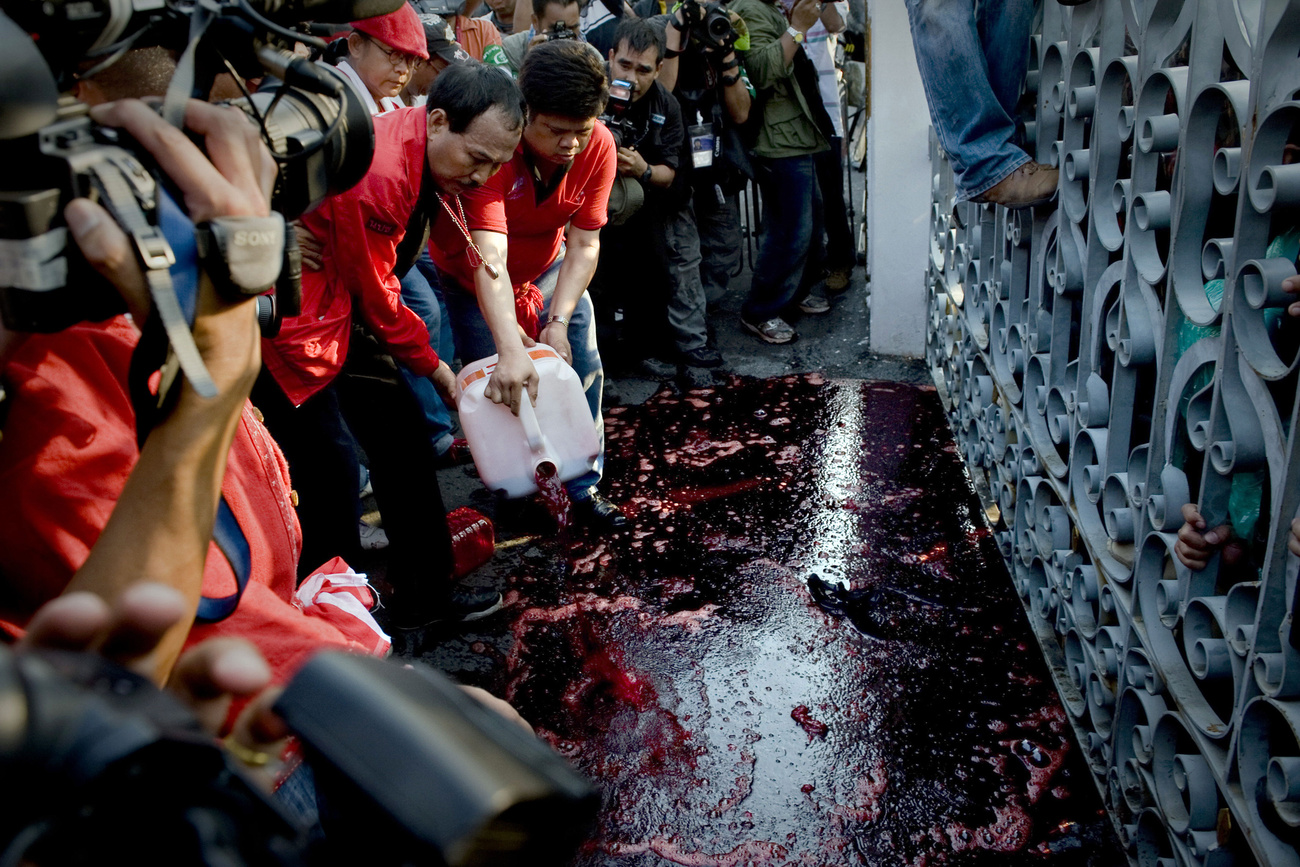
492,271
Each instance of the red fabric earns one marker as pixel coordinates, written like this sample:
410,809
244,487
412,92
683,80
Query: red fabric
536,231
400,29
344,598
528,308
68,447
360,229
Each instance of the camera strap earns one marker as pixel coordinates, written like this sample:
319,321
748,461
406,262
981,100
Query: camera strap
181,87
156,258
154,354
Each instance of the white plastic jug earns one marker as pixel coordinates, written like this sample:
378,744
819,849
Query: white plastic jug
509,450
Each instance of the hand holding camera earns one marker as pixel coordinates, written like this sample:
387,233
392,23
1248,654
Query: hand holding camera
234,179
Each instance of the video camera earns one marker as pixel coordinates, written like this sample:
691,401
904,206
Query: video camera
620,99
407,769
709,23
316,127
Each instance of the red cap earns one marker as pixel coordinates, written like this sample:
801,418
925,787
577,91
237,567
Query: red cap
400,30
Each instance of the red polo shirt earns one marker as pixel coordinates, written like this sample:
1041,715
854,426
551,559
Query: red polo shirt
507,203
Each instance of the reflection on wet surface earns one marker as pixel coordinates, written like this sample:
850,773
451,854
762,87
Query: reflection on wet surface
804,649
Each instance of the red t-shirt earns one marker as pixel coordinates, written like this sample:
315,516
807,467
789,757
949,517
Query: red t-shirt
507,203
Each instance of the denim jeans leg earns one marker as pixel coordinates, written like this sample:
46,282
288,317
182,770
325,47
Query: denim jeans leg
446,347
588,366
788,186
976,130
417,295
469,328
1002,25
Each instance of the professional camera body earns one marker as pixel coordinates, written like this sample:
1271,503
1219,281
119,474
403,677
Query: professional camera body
615,116
561,30
105,768
709,23
316,127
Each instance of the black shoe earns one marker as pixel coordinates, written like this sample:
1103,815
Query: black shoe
656,368
705,356
464,604
598,513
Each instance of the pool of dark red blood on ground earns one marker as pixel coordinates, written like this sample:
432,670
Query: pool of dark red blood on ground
803,649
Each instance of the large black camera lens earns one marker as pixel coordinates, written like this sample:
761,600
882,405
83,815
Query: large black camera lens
324,144
718,27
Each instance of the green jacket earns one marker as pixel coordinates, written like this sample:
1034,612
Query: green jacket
788,129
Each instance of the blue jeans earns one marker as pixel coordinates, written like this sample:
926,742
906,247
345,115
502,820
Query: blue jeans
790,249
420,294
972,56
475,342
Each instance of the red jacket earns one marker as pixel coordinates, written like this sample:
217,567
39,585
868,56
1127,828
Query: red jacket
68,447
360,229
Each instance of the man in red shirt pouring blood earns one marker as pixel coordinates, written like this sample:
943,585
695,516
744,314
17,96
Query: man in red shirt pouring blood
503,296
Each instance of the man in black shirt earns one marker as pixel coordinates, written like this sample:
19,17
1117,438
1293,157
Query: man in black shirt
645,254
708,80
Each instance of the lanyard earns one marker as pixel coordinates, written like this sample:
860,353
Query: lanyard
474,252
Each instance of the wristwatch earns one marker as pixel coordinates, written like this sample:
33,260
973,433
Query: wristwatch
645,175
796,35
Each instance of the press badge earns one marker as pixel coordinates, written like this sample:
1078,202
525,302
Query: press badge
703,141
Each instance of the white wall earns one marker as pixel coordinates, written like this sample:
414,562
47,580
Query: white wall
898,178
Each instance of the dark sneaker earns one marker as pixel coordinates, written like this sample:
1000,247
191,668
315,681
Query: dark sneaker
705,356
467,604
456,455
598,513
657,368
464,604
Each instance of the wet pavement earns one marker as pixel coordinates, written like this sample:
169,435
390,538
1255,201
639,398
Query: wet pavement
804,649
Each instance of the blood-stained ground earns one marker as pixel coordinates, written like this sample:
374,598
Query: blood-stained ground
804,648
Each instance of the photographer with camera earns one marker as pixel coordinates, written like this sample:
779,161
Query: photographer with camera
552,19
646,269
794,128
91,510
703,69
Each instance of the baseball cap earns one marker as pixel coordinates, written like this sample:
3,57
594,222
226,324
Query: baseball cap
441,38
399,30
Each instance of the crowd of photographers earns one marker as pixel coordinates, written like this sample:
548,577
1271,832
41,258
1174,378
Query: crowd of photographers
523,163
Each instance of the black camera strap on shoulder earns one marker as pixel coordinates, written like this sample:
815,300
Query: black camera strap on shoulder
156,352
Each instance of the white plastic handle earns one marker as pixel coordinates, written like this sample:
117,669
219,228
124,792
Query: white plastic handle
532,431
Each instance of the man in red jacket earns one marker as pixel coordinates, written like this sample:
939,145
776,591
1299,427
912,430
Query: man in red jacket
552,199
332,363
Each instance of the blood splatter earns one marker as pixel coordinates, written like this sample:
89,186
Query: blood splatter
837,552
814,728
